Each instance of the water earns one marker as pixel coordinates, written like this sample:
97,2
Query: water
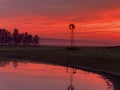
39,76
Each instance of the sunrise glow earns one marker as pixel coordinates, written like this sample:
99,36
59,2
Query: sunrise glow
97,21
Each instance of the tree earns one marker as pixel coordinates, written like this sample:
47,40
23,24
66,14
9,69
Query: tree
6,38
15,36
36,39
30,39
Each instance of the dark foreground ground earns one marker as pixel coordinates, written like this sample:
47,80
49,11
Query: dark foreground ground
104,58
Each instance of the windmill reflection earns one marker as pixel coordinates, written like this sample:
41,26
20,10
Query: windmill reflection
71,72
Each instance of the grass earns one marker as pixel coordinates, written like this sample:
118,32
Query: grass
106,58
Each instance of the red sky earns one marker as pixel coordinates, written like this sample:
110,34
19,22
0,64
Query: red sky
97,20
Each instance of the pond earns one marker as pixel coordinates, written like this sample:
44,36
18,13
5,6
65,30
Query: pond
25,75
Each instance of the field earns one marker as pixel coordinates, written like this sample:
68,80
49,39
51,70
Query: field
104,58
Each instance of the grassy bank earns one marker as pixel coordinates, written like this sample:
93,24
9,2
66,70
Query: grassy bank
106,58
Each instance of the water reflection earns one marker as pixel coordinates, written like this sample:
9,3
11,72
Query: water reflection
24,75
72,71
4,63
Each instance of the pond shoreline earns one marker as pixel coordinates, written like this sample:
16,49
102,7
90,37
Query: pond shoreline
85,68
106,59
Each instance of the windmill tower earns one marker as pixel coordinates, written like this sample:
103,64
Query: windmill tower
72,27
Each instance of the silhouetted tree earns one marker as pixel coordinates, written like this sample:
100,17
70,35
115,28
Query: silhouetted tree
16,36
6,38
36,40
30,39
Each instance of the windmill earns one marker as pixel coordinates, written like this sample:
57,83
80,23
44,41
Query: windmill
72,28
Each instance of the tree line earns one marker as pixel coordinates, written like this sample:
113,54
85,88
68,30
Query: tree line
16,38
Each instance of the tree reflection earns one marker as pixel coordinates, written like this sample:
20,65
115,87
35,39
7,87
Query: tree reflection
4,63
15,64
